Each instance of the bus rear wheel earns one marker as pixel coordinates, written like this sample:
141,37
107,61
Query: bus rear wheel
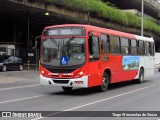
105,83
141,76
67,89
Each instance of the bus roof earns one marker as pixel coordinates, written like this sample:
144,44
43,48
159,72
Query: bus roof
105,31
144,38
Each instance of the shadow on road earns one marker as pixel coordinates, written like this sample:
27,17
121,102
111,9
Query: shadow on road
93,90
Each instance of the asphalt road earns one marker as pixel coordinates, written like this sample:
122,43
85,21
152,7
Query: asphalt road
21,91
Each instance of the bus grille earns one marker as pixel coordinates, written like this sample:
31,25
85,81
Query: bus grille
61,70
61,81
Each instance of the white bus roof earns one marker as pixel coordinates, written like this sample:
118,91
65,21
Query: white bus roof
144,38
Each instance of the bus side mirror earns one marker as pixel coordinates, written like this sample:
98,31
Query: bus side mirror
36,42
90,34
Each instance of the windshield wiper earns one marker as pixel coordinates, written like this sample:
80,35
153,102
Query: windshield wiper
69,40
54,42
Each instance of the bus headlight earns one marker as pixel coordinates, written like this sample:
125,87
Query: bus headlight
80,74
43,73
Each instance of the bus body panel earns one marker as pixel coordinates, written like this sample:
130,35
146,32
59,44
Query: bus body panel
94,75
147,62
71,82
122,67
120,73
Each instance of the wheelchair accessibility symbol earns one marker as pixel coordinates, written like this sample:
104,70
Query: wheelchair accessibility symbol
64,60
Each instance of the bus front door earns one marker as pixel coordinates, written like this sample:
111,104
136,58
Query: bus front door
94,61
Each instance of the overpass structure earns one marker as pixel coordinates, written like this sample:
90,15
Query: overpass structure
22,20
151,7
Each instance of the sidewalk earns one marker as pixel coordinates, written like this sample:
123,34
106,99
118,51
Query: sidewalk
18,76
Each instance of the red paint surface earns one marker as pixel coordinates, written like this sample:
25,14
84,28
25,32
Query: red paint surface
95,70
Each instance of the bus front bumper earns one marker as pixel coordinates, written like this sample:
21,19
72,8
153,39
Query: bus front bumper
76,82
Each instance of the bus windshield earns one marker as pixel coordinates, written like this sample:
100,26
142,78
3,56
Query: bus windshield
63,51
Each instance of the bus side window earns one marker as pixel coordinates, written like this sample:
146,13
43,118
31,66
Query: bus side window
152,48
94,52
133,47
105,45
141,49
114,44
124,45
147,48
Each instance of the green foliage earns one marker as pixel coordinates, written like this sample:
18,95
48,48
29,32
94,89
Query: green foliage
133,20
105,11
152,26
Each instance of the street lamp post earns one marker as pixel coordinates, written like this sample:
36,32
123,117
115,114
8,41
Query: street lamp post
142,17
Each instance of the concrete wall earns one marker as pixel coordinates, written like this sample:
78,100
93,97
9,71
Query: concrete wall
9,48
83,17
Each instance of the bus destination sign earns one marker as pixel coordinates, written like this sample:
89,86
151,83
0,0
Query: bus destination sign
67,31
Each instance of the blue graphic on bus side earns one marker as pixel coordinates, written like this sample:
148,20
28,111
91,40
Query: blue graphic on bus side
64,60
130,62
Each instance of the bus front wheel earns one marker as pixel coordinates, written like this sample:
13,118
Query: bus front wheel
105,83
67,89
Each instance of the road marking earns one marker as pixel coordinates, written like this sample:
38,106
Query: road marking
10,88
74,108
15,100
156,75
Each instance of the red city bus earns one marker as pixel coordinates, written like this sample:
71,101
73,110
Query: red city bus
82,56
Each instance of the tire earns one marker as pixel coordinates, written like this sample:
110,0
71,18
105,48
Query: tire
4,68
159,69
141,76
20,67
105,83
67,89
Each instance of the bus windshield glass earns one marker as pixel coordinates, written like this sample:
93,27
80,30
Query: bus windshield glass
63,51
